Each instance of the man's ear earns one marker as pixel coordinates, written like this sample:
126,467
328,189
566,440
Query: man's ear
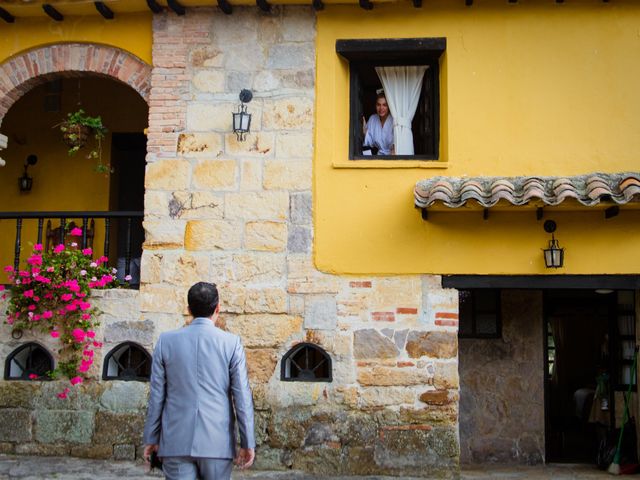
217,310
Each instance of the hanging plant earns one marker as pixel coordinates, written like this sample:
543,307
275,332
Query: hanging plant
52,294
77,129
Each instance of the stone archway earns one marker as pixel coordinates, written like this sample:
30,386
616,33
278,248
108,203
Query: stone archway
21,73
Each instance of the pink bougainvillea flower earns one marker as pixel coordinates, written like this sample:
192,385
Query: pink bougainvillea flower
37,317
88,353
97,344
76,380
8,269
1,288
81,295
127,278
85,306
4,296
65,297
48,295
86,316
36,298
93,264
58,248
91,334
51,269
83,367
87,251
31,307
28,294
24,273
37,247
32,376
102,259
63,394
42,279
55,334
71,307
78,335
47,314
75,232
35,260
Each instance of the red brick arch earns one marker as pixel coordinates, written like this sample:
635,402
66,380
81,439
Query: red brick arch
21,73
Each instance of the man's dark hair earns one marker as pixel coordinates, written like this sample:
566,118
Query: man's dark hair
203,299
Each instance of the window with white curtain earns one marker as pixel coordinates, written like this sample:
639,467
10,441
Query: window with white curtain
407,72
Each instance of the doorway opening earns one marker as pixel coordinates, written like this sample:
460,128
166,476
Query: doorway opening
589,341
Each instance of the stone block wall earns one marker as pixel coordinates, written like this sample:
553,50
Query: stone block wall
99,419
502,387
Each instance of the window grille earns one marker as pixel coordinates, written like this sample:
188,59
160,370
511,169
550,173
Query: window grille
28,362
306,362
128,361
480,315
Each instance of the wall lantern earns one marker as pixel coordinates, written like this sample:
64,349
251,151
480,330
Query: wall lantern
242,119
553,255
25,182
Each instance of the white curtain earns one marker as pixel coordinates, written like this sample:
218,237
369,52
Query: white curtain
402,86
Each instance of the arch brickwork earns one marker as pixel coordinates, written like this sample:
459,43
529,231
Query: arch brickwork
21,73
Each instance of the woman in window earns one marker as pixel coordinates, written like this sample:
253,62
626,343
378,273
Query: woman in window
378,131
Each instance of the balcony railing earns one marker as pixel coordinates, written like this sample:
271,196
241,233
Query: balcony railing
127,225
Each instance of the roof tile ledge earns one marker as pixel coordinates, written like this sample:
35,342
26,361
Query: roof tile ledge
589,190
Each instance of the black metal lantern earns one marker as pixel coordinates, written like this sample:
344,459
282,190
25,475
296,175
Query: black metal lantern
25,182
553,255
242,119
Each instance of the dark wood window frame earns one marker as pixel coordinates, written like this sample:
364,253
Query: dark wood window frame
363,55
292,371
475,311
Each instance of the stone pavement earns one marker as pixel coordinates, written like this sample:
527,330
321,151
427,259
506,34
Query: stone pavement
65,468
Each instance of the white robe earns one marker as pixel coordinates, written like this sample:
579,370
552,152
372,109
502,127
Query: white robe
379,135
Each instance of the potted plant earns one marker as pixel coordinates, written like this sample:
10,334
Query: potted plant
78,128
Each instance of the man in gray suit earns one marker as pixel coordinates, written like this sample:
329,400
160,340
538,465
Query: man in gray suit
198,378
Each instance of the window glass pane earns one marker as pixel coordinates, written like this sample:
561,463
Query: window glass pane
486,324
626,300
486,300
466,312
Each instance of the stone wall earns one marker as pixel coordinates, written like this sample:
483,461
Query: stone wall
99,419
502,387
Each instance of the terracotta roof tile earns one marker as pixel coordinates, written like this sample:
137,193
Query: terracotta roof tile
588,189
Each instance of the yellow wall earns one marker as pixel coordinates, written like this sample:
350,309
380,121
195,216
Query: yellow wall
61,182
130,32
526,89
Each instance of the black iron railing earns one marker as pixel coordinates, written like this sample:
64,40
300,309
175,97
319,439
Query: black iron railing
129,224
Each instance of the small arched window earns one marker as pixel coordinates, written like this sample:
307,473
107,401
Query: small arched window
306,362
28,362
128,361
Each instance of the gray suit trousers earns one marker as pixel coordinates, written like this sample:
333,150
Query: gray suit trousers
192,468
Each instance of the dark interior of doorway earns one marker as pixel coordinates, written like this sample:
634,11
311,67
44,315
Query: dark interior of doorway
128,154
585,340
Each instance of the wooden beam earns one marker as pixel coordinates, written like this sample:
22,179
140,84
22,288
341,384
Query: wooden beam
541,282
52,12
103,10
539,213
6,16
424,213
366,4
263,5
154,6
176,7
225,6
317,5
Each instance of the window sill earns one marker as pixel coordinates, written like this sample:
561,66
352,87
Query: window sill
390,164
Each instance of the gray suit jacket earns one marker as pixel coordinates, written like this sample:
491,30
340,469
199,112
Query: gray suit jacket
198,376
